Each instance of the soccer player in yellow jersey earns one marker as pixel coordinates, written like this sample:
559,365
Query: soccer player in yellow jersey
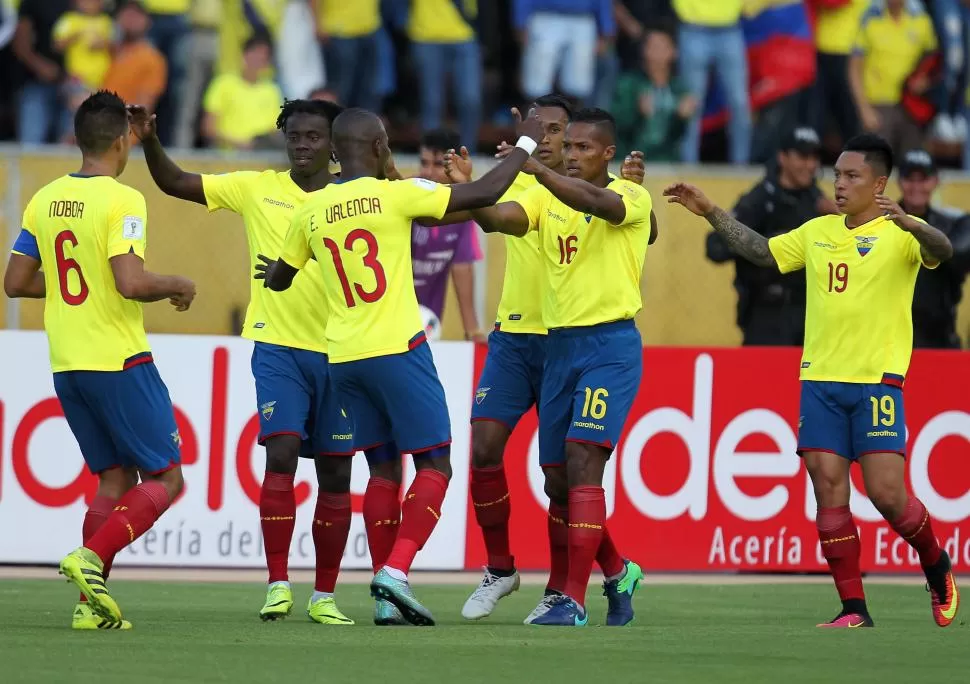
88,233
300,413
359,231
590,226
861,270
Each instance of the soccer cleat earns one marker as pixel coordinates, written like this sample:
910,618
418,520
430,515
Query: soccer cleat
387,614
848,621
493,587
85,618
398,592
279,602
325,612
944,595
619,596
543,607
564,612
83,567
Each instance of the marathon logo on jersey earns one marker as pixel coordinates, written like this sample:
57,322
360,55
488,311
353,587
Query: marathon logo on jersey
278,203
267,409
864,243
133,228
824,245
480,394
554,216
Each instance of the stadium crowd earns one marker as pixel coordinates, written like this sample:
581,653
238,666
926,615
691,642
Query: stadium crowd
211,67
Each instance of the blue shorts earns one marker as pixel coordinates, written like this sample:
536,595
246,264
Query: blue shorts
511,381
851,419
397,397
590,381
121,419
295,396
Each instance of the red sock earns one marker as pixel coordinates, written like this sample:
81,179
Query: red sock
490,496
382,518
97,514
331,527
419,515
587,518
841,548
134,515
608,558
915,527
277,517
557,525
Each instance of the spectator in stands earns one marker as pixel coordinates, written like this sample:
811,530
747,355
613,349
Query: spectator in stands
894,36
771,306
837,25
241,109
170,33
437,251
43,111
633,17
443,40
203,46
938,291
83,35
951,19
562,38
711,37
138,73
652,106
347,30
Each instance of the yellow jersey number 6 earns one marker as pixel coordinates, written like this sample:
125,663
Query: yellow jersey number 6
595,404
883,411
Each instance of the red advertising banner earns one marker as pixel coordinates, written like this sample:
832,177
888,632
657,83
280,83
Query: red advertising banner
706,477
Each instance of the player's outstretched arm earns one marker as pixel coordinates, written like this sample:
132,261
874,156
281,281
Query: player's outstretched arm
168,176
934,245
508,218
134,282
742,240
583,196
23,278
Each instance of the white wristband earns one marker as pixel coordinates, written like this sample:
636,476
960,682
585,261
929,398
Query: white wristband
526,143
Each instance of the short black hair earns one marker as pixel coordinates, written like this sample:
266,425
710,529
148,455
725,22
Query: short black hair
877,151
328,110
556,100
600,118
258,38
99,121
441,140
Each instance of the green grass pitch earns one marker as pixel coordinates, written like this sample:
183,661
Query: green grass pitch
201,632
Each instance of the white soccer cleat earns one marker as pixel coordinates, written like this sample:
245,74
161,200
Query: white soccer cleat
482,601
544,605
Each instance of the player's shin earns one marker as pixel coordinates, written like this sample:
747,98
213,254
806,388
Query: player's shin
277,518
608,558
916,528
839,538
331,527
587,517
420,513
557,526
382,518
490,497
134,515
97,514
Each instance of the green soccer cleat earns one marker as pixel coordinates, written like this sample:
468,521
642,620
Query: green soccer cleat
619,595
279,602
83,567
85,618
325,611
398,592
386,614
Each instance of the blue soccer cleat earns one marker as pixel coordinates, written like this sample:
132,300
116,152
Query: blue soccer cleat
619,596
564,612
398,592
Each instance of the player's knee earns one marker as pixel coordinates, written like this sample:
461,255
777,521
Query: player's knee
173,482
282,454
438,459
585,464
889,498
488,444
115,482
831,485
556,485
386,470
333,473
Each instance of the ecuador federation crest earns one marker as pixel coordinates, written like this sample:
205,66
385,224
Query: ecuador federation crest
864,243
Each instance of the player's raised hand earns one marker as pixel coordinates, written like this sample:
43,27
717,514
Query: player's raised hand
633,168
264,269
458,165
532,167
892,211
183,299
690,197
142,123
530,126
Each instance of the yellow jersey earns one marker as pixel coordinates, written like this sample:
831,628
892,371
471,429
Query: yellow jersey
243,110
892,49
858,313
440,21
520,309
359,230
349,19
80,223
836,28
591,268
84,62
267,202
714,13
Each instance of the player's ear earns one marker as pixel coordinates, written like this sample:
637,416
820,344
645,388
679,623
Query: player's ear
609,152
881,184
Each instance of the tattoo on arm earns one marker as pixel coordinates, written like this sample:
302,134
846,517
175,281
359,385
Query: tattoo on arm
933,243
742,240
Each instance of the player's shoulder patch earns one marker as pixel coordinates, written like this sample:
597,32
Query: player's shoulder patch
423,183
133,228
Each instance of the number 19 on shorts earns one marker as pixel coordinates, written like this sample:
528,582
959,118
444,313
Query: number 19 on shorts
883,411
